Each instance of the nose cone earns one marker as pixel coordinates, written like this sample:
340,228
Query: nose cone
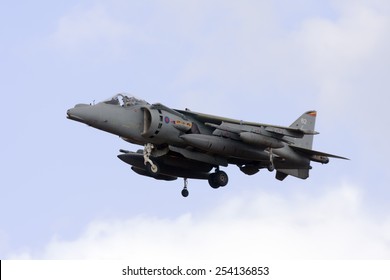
82,113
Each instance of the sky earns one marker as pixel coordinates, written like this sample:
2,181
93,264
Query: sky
65,195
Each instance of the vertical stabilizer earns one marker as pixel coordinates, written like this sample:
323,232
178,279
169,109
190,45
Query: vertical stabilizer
305,122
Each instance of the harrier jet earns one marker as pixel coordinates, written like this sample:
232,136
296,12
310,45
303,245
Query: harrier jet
191,145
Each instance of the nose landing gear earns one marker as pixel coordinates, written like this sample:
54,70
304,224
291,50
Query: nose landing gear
152,168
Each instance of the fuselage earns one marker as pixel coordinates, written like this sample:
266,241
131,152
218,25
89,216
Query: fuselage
138,122
188,144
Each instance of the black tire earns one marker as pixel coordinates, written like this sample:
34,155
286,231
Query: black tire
212,181
221,178
185,193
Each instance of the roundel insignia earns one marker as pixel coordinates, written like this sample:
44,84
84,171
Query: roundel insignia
167,120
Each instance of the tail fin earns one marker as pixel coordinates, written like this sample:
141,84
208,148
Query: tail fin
305,122
303,146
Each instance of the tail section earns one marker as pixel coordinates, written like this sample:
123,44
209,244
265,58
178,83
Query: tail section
303,148
305,122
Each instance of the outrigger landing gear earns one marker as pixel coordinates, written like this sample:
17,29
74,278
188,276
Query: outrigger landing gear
185,192
271,166
151,167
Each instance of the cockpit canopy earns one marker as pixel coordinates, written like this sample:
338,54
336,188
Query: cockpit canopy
123,100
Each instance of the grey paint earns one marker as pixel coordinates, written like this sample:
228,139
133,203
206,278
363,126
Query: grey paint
182,143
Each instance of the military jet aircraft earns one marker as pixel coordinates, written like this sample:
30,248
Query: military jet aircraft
189,145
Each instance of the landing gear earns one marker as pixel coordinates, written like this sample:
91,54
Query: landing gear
212,181
185,191
218,179
151,167
271,166
153,170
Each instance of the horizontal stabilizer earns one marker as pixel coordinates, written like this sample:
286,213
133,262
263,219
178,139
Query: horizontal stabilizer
310,152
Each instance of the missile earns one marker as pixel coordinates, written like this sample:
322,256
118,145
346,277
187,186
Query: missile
261,140
224,146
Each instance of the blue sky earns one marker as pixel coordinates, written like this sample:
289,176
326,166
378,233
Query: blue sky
64,194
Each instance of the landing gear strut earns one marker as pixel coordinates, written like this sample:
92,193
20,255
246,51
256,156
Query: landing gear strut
151,167
185,192
218,179
271,166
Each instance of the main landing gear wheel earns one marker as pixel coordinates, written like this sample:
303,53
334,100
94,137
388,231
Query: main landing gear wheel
218,179
212,181
185,191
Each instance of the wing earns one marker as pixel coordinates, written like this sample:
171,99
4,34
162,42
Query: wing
260,144
235,126
313,153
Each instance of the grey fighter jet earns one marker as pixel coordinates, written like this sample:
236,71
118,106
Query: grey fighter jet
189,145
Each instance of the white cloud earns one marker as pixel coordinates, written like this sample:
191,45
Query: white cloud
252,226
